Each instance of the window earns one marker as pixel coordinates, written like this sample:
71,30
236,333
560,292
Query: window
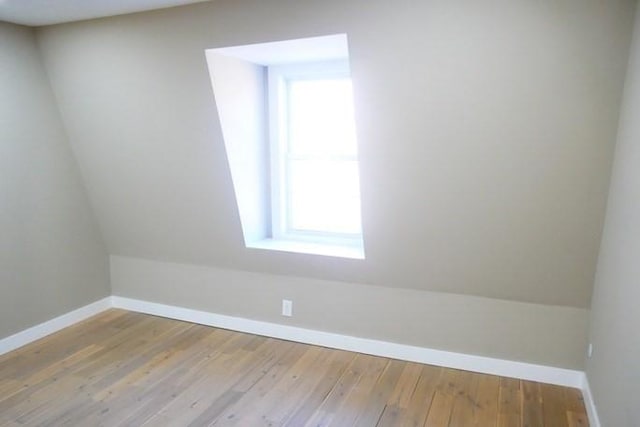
314,161
286,113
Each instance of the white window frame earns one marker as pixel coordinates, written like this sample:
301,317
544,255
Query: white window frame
278,76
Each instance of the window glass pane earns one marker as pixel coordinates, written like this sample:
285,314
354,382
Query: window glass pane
324,196
321,119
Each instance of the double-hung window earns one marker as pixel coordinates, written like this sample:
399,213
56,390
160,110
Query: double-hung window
315,189
287,119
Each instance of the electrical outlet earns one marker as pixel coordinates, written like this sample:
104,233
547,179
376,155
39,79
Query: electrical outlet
590,351
287,307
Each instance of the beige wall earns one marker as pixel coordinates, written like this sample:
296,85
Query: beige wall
486,134
540,334
52,257
613,370
239,88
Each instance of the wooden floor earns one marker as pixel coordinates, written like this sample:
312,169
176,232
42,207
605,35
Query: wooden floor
121,368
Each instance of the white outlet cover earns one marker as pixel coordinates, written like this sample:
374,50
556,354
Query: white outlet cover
287,307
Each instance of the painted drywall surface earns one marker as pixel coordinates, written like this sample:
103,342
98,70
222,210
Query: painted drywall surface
239,88
613,371
52,258
553,336
486,134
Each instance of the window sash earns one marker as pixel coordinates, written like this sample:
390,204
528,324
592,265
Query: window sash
287,194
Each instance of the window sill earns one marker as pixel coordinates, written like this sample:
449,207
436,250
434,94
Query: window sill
352,252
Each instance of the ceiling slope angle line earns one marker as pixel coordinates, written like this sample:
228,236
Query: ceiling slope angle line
37,13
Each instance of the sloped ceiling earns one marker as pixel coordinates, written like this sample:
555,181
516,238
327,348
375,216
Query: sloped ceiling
486,136
47,12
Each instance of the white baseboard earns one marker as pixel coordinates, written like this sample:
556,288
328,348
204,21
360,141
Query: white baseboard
34,333
589,403
487,365
507,368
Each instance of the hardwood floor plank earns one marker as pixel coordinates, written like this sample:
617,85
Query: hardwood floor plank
553,405
355,403
273,389
23,361
340,362
380,394
574,400
325,411
406,385
255,393
465,406
532,413
226,371
122,368
420,402
160,386
487,395
401,397
576,411
509,403
367,399
295,389
151,365
44,404
440,411
575,419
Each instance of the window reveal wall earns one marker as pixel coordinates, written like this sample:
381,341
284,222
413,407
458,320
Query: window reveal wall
295,174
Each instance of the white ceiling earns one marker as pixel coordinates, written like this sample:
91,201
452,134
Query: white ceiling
46,12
